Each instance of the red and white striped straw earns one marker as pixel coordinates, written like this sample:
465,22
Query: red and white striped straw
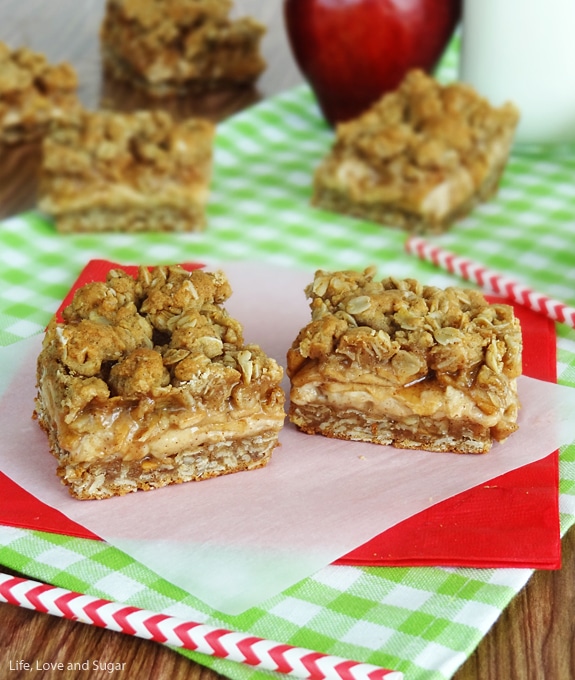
176,632
490,281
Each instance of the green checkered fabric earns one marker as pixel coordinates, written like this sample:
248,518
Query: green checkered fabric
422,621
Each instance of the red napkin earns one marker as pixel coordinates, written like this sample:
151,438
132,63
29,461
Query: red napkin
512,521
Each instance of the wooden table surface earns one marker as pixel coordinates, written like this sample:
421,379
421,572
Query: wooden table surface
533,639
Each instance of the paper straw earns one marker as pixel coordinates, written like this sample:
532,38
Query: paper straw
491,281
169,630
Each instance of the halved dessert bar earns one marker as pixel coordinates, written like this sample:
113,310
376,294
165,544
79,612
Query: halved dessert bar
420,158
33,93
132,172
396,362
173,47
146,382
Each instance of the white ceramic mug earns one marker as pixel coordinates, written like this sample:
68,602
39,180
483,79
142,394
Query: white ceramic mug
524,51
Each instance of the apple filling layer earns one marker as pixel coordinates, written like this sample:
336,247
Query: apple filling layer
147,382
108,171
395,362
421,157
178,46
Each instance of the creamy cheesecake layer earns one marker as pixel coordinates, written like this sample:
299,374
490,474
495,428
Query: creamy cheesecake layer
418,400
125,198
136,431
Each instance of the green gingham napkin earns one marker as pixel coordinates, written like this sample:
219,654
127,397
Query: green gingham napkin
422,621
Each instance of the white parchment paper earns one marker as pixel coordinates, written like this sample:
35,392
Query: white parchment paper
235,541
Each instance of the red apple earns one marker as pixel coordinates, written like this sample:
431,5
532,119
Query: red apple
353,51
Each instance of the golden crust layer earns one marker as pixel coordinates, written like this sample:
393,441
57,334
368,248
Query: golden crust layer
32,94
421,157
396,362
143,171
147,381
177,46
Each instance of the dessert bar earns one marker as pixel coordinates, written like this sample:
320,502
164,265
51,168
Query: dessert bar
33,92
132,172
420,158
175,47
397,362
147,381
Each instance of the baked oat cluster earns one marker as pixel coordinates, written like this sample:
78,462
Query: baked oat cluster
420,158
396,362
33,93
172,47
147,381
132,172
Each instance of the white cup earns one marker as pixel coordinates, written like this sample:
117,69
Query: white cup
524,51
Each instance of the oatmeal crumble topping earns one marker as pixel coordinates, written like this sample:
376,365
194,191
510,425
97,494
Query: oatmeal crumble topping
177,46
421,156
399,350
154,369
33,92
120,165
